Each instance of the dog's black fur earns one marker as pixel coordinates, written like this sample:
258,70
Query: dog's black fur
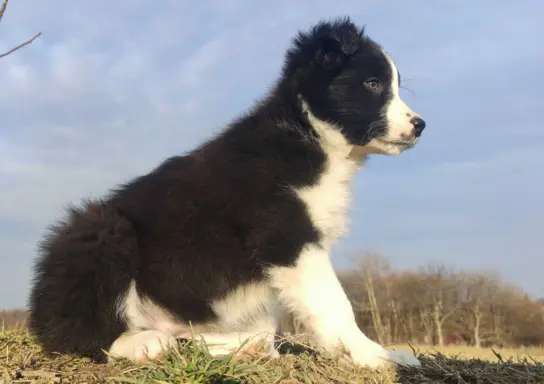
204,223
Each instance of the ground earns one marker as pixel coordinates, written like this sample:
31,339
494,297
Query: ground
21,361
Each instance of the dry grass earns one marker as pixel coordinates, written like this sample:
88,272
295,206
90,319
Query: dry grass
490,354
21,361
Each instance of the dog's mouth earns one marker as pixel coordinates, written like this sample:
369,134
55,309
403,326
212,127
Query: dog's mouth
400,143
385,146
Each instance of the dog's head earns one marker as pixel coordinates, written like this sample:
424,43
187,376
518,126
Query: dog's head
348,80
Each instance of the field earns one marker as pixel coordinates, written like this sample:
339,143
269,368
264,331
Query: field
21,361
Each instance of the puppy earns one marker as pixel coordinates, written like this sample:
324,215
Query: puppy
216,241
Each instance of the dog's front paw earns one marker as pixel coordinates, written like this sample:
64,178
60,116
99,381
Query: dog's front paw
374,357
403,357
377,358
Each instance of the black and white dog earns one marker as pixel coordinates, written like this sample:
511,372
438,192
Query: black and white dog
213,243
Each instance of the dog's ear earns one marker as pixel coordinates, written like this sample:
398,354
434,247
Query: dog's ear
327,46
335,44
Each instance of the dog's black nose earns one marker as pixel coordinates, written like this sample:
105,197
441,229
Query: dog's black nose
419,125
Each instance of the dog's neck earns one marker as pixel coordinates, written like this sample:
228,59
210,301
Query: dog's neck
359,154
333,141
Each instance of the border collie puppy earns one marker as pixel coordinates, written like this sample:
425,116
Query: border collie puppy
214,242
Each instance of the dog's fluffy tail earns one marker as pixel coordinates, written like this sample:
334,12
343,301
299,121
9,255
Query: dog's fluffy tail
86,264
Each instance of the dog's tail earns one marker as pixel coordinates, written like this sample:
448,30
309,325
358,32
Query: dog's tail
86,265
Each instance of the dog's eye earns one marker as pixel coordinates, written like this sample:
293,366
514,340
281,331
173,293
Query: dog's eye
372,84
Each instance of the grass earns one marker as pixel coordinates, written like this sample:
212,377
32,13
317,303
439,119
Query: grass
22,362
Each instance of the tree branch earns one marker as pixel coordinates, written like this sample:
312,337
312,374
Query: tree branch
2,10
20,45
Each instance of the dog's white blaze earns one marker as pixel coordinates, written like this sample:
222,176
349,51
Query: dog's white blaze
397,113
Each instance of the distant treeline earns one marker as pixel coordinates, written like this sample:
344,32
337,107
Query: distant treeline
13,320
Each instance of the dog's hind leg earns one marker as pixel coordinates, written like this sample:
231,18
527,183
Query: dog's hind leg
219,344
257,337
141,346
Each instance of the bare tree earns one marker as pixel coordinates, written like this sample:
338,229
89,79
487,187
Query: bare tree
479,292
369,275
476,304
406,293
21,45
440,297
373,267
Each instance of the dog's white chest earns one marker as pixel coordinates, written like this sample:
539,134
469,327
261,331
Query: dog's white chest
328,200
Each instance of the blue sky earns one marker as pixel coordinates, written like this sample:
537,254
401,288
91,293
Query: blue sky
112,88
